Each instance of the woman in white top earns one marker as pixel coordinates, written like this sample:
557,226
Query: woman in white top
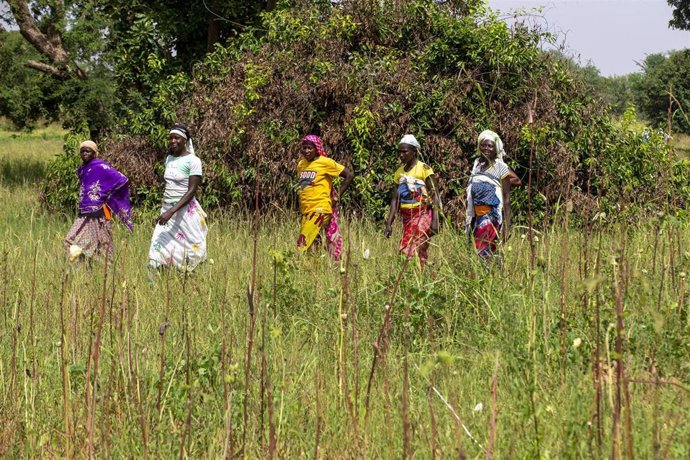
488,195
179,238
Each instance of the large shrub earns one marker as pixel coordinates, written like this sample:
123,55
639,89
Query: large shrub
362,73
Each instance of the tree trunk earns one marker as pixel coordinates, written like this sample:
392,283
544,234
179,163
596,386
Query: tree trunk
213,33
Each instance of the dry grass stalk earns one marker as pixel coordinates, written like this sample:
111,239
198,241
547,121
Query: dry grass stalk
161,333
596,366
317,431
96,354
252,301
141,414
186,433
382,338
432,422
407,447
491,438
63,368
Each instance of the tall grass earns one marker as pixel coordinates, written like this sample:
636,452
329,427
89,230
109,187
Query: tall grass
24,155
503,361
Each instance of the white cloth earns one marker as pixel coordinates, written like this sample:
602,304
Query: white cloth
177,172
409,139
182,240
496,139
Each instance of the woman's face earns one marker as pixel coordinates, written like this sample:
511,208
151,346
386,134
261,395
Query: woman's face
309,151
488,149
407,153
86,154
176,143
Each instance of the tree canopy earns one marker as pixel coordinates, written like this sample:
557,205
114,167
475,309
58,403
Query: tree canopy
96,49
681,14
26,96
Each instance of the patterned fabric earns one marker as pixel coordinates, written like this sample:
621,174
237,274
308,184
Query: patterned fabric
485,187
182,240
334,240
412,185
93,235
484,195
416,229
101,184
316,140
485,235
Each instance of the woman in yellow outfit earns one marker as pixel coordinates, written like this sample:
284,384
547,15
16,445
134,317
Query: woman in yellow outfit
414,195
317,199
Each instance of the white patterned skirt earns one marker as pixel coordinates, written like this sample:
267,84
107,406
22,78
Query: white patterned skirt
182,240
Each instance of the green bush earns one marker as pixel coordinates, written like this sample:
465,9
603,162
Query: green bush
362,74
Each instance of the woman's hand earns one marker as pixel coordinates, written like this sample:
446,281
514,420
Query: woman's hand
165,217
388,231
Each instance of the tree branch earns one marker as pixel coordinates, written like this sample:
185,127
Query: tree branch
48,45
46,68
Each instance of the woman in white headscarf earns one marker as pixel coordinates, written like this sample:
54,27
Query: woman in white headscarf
488,195
179,238
414,195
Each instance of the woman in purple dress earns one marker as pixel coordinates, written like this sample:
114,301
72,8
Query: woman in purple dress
103,192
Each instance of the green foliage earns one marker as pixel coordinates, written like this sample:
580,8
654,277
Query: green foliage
60,190
681,14
665,82
361,74
154,46
26,96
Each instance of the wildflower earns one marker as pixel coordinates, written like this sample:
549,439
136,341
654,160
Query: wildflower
74,252
478,408
577,342
211,261
366,254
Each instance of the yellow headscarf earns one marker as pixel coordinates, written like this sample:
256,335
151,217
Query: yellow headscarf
90,144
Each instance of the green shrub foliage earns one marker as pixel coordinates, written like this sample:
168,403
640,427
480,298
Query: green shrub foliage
362,73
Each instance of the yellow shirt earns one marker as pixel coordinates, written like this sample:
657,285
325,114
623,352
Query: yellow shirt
315,183
412,185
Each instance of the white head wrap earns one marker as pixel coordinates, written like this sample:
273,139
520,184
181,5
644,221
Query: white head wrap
409,139
189,145
495,138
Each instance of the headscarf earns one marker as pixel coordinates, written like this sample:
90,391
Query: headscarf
184,133
495,138
316,140
334,240
90,144
409,139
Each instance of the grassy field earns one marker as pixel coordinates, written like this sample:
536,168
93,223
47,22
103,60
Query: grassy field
581,349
